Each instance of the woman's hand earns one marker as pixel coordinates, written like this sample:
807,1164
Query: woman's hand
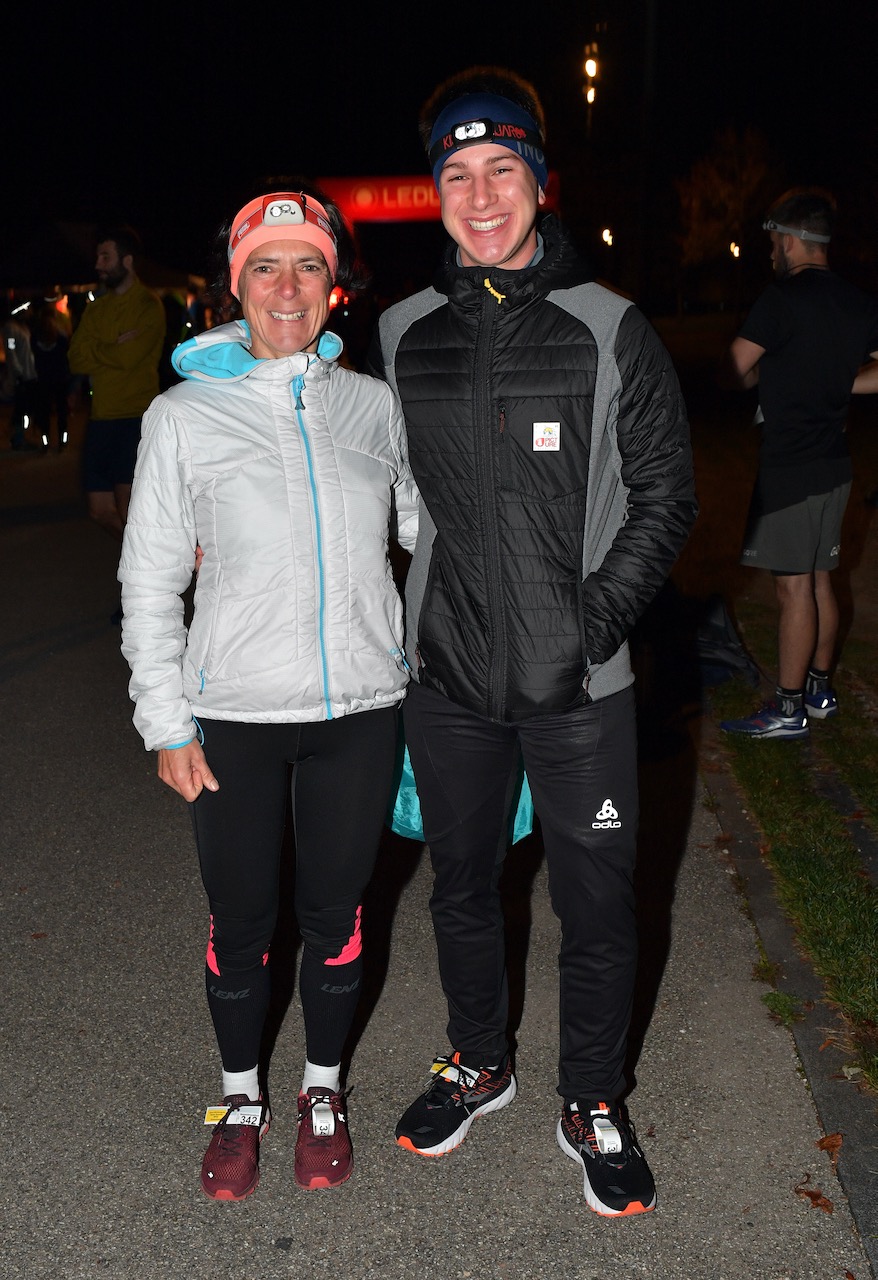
186,770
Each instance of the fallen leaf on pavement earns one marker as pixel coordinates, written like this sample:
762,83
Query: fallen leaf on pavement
815,1195
831,1143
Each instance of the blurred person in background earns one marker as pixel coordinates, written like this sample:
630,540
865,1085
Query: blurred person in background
19,374
803,344
117,345
53,385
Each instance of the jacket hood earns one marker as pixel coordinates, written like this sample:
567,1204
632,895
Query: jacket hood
222,354
560,267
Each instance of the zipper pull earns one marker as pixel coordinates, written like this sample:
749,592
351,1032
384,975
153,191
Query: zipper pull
502,408
298,384
493,292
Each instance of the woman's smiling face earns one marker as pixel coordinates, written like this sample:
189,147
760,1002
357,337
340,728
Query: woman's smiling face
284,290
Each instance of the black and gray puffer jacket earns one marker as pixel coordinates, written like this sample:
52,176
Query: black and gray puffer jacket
549,439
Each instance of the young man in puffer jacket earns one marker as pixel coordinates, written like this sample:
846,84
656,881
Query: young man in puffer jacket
549,439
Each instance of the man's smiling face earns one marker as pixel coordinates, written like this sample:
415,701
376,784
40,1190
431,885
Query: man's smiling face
490,199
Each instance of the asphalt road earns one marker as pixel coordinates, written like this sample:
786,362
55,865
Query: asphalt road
108,1059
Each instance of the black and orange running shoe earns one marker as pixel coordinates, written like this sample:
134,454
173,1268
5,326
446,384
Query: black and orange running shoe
230,1169
439,1120
618,1182
324,1155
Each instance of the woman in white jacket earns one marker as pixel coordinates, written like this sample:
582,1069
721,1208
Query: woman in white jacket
289,472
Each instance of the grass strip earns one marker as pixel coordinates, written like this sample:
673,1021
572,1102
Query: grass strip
850,740
817,871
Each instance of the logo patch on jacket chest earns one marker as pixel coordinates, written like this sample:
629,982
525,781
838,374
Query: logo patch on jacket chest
547,435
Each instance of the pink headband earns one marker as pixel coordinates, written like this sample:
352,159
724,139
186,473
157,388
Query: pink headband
283,215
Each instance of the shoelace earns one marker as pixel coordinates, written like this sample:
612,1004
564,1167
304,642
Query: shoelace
585,1133
333,1103
450,1090
232,1137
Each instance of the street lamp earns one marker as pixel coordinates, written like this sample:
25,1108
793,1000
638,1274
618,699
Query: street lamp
590,69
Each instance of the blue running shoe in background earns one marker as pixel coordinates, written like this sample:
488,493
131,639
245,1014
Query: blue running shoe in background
769,722
820,706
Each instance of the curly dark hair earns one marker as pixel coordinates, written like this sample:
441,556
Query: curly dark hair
350,274
496,80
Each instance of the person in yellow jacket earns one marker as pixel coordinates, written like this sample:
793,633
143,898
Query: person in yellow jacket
117,344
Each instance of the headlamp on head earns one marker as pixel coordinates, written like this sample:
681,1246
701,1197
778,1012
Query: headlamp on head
267,218
479,118
283,213
472,130
799,232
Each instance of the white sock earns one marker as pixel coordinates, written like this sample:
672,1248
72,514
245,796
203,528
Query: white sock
316,1077
242,1082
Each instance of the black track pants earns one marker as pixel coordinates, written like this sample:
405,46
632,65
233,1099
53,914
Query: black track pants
582,769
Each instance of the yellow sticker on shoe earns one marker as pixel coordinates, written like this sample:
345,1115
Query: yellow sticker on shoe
251,1114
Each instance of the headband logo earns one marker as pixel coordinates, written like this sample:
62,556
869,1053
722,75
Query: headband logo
509,131
283,213
242,230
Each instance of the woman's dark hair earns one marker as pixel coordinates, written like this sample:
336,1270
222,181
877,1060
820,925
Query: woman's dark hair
350,274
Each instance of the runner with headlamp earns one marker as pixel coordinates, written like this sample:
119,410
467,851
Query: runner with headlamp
803,343
289,471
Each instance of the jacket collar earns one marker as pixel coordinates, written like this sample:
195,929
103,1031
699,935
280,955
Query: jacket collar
559,267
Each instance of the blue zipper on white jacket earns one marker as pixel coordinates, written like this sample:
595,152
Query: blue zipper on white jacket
297,385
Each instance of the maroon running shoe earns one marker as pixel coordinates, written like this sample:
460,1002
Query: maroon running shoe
324,1157
230,1169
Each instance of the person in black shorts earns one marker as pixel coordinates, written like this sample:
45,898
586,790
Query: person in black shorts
803,342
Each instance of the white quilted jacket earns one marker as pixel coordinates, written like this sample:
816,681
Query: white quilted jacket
289,474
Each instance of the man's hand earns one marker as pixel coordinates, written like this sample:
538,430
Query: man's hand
186,770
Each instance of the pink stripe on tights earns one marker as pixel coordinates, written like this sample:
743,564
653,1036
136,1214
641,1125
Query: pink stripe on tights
212,963
352,947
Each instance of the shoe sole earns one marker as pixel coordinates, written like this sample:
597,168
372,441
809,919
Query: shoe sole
597,1206
792,734
319,1183
455,1139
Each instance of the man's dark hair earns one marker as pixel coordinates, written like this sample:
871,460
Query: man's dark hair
350,273
125,238
806,208
496,80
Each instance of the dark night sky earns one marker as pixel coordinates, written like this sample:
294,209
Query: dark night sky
164,123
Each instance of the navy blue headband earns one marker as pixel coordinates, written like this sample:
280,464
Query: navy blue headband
486,117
